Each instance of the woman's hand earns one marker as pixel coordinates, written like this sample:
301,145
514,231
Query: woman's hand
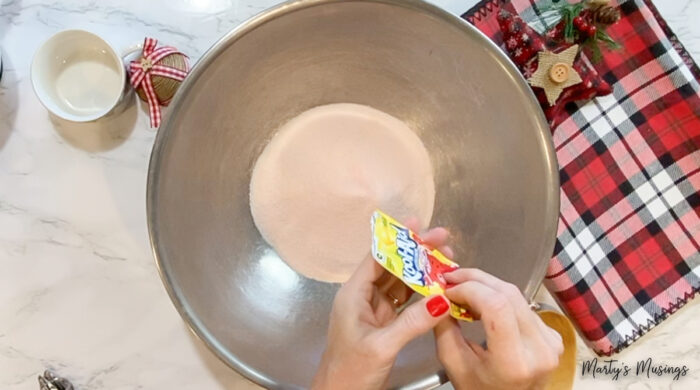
366,333
521,350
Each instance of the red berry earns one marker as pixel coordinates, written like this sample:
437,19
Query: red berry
579,22
591,30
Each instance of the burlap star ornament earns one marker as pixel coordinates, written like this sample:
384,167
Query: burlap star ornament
524,46
555,72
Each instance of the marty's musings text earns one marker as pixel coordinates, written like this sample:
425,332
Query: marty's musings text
615,369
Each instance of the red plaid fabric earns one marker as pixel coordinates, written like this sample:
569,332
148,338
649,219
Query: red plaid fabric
628,248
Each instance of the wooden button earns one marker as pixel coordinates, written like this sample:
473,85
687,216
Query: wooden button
559,72
146,64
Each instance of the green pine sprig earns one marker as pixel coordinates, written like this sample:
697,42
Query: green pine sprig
568,13
593,44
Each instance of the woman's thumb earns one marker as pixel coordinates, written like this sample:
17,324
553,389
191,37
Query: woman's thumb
416,319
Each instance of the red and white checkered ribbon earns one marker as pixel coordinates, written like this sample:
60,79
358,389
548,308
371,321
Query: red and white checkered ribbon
142,70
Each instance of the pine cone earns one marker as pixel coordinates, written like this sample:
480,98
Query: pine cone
606,14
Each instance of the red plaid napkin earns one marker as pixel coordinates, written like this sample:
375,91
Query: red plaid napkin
628,246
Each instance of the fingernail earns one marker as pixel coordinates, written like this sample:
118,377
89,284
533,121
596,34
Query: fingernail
437,305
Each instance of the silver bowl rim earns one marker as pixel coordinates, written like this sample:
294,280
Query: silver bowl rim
194,324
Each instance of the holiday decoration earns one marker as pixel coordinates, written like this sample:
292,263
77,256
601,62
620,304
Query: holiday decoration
156,75
623,262
555,72
585,23
565,76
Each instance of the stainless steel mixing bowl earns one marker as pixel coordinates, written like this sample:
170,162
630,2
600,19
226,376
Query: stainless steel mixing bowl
495,170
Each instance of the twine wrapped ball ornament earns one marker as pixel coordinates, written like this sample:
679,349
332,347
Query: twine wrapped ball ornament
157,75
166,87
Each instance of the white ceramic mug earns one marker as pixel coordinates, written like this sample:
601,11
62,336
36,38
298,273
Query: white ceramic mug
78,76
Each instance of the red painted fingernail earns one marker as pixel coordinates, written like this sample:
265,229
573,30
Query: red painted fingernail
437,306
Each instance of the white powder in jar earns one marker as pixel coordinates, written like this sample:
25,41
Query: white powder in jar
317,182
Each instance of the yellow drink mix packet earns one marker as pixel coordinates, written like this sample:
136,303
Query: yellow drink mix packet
401,252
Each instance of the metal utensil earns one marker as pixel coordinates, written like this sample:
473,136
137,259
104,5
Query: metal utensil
50,381
495,170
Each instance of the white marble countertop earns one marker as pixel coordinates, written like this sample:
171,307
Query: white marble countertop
79,291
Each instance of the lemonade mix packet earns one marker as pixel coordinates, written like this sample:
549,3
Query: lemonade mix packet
401,252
